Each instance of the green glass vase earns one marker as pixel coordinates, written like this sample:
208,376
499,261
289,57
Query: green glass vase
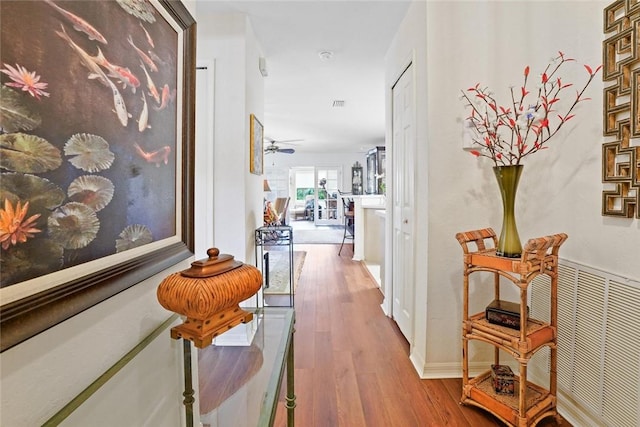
509,245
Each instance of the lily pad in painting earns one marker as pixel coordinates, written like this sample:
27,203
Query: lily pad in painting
89,152
91,190
43,195
14,115
139,8
133,236
20,152
73,225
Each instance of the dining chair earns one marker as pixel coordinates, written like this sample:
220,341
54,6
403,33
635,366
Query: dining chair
348,218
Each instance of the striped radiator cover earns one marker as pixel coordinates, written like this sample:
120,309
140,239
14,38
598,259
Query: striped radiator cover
598,345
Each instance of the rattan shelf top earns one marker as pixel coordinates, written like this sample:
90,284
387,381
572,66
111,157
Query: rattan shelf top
538,254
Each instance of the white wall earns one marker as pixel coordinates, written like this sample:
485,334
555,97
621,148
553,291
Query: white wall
560,190
228,41
43,374
253,192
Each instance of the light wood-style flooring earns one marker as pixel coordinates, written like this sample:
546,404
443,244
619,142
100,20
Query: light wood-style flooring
351,362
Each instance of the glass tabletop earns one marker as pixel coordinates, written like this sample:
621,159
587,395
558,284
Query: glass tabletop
240,385
274,235
266,228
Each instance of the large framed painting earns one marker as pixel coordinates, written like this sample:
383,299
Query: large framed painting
256,142
96,153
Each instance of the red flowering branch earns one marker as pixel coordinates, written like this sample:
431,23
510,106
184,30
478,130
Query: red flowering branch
508,134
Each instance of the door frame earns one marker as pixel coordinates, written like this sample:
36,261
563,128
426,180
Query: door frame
204,158
314,169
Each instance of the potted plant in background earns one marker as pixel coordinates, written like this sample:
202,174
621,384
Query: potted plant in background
507,133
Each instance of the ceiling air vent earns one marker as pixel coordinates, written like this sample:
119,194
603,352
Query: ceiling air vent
338,103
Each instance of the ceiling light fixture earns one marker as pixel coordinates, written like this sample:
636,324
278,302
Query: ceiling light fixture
325,55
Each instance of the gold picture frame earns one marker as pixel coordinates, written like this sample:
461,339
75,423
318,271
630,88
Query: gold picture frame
256,155
621,110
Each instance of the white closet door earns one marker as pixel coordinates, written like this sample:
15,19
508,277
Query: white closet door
403,146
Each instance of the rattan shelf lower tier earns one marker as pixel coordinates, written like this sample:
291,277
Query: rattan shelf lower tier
538,334
539,402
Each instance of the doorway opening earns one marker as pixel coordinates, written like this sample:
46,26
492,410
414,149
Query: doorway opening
314,195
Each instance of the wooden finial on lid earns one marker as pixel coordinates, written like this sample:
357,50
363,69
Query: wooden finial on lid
212,266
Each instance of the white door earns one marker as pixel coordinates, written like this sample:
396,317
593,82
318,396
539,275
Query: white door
403,146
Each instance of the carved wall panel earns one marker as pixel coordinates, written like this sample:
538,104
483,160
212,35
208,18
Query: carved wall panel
621,109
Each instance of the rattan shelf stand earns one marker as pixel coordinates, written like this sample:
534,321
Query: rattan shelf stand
530,403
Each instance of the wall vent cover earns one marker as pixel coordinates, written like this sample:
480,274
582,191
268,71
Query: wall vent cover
597,317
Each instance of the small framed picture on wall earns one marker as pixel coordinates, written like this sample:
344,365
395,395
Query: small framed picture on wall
257,140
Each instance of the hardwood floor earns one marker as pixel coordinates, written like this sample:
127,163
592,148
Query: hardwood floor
351,362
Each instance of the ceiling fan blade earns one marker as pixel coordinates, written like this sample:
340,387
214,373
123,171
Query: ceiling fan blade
286,150
288,140
279,141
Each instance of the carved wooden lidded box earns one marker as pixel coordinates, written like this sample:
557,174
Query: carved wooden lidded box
209,294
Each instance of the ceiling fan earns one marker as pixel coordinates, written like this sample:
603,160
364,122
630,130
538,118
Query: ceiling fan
273,148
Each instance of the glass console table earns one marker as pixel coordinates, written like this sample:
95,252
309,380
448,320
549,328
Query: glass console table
239,386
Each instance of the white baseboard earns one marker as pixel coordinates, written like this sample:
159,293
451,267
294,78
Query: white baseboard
385,310
417,362
449,370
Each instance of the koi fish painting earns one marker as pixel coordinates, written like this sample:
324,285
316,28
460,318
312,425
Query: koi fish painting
92,148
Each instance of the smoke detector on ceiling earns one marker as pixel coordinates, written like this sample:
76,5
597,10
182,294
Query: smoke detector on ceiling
325,55
338,103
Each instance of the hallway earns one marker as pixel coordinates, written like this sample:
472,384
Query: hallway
306,232
351,363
